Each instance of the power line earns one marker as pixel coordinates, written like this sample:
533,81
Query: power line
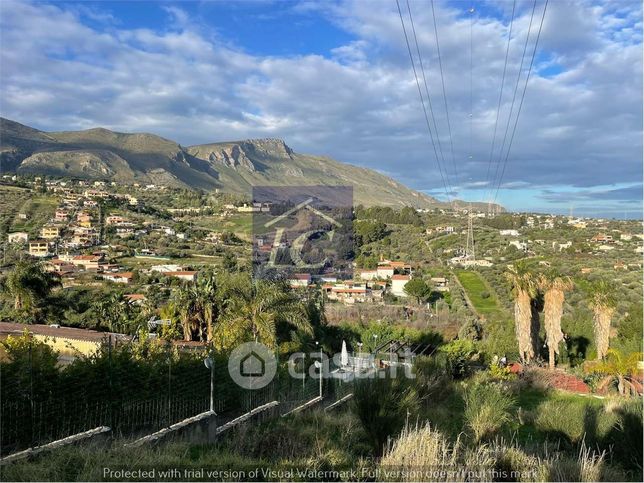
525,87
422,101
429,99
514,95
498,109
471,11
440,64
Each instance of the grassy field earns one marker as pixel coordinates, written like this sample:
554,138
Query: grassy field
12,199
482,297
240,224
39,210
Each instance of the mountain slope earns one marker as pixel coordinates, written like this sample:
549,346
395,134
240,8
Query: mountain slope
230,166
271,161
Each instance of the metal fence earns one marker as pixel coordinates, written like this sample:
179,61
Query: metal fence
133,395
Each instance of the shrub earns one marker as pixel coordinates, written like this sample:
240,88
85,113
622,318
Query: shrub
487,409
470,330
382,406
625,436
574,420
459,353
432,375
501,373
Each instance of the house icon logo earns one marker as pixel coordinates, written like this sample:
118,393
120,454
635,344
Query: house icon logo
252,365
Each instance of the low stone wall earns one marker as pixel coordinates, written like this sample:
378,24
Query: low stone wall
92,434
199,429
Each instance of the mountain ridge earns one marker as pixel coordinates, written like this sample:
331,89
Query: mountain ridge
229,166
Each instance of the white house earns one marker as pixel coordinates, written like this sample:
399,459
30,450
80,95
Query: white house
115,220
18,237
398,283
122,277
523,246
187,275
170,267
561,246
464,262
368,274
509,232
385,271
440,284
300,280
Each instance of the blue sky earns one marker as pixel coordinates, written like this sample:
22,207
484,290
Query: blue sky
334,78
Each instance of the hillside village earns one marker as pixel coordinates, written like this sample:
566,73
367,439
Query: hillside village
136,236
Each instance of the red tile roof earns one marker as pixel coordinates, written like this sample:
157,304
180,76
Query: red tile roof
401,277
300,276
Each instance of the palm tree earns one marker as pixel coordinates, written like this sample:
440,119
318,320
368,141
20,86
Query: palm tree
170,311
28,284
184,300
206,295
116,313
103,310
554,287
620,367
198,307
256,308
602,301
524,289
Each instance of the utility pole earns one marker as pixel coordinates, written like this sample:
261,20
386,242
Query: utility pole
321,366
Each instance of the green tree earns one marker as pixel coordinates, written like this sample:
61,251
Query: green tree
418,289
229,262
369,231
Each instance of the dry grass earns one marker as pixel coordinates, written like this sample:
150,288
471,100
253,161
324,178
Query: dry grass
487,409
424,454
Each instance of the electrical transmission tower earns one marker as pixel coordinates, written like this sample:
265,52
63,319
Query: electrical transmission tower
469,247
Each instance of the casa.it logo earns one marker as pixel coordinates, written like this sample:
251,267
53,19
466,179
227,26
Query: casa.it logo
304,229
252,365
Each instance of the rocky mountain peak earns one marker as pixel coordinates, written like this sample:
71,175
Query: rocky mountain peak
272,147
233,156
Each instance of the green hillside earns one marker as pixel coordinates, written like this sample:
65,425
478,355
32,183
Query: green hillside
232,167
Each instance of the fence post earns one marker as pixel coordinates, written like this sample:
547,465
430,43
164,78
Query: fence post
169,386
31,394
110,384
1,413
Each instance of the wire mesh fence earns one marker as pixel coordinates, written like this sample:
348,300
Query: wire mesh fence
132,393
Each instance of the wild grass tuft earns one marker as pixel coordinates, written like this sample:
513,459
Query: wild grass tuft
383,405
487,409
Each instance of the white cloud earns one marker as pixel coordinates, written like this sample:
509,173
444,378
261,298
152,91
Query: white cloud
581,126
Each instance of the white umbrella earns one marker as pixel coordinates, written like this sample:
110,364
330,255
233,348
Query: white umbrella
344,355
